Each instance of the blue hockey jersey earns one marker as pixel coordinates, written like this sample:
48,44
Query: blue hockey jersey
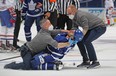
59,53
29,8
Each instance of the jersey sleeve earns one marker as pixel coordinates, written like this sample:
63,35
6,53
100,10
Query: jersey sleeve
24,8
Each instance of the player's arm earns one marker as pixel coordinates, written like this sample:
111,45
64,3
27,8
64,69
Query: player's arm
55,44
57,31
61,45
24,9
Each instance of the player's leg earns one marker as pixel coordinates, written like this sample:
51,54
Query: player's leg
57,65
9,30
2,35
45,61
10,37
38,23
39,59
3,16
27,28
3,38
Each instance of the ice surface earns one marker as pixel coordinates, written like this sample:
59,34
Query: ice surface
106,52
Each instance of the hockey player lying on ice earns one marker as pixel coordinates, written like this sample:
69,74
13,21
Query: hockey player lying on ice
41,42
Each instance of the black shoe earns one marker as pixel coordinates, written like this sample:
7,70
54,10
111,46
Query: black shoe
17,40
10,65
84,64
94,65
59,65
16,46
14,65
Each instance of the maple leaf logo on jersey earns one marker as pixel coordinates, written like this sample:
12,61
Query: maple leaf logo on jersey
32,5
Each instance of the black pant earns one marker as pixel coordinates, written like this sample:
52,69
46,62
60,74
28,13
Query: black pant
26,56
53,18
62,20
86,47
17,27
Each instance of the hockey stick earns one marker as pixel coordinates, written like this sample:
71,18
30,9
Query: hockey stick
9,58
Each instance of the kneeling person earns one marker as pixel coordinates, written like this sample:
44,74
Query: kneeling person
38,44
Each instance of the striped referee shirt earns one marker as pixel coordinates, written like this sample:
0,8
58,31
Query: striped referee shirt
63,4
47,6
76,3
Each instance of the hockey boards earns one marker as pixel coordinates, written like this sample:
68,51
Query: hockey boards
10,58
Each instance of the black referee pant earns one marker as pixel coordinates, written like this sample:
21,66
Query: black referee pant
17,28
62,19
53,18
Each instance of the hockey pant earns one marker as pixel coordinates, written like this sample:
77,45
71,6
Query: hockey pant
6,28
48,61
43,61
28,24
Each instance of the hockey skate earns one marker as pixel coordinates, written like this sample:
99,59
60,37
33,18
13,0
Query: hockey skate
3,48
59,65
10,47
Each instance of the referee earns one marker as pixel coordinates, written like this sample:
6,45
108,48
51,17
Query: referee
63,18
50,11
18,6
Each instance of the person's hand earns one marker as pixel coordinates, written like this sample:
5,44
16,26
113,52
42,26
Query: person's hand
67,31
39,5
11,10
47,15
13,18
58,15
71,33
72,42
23,17
21,1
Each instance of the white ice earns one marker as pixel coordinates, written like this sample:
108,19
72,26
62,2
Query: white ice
105,48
